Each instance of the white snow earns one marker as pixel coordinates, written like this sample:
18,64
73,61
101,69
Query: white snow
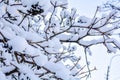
18,44
7,69
32,36
44,39
89,51
84,21
12,10
1,25
92,42
2,9
41,59
54,45
58,2
59,69
3,77
8,58
64,13
26,70
117,43
111,48
8,33
32,51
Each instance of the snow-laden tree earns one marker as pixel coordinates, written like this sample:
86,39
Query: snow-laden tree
112,5
39,39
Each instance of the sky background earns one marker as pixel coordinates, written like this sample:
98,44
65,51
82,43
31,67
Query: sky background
100,57
85,7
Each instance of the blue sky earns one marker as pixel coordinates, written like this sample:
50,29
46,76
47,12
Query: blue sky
100,57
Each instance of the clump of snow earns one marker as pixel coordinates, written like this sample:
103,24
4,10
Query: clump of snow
1,25
6,69
117,43
32,51
59,69
41,59
54,45
111,48
19,31
26,70
8,33
18,44
42,35
91,42
32,36
73,48
84,21
64,13
7,57
59,2
73,11
12,10
2,9
55,25
89,51
3,77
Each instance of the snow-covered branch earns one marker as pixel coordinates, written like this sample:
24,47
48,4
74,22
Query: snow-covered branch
39,39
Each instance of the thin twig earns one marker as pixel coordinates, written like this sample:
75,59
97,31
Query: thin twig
87,63
22,19
109,66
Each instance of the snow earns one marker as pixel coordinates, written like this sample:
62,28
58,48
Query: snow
84,21
18,44
3,77
41,59
32,36
42,3
64,13
59,69
105,29
12,10
89,51
72,36
91,42
47,8
43,39
31,50
58,2
26,70
54,45
111,48
2,8
73,48
117,43
18,31
7,69
1,25
8,33
73,11
7,57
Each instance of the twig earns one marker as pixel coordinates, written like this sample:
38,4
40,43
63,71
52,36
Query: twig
22,19
109,66
76,63
80,70
87,63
